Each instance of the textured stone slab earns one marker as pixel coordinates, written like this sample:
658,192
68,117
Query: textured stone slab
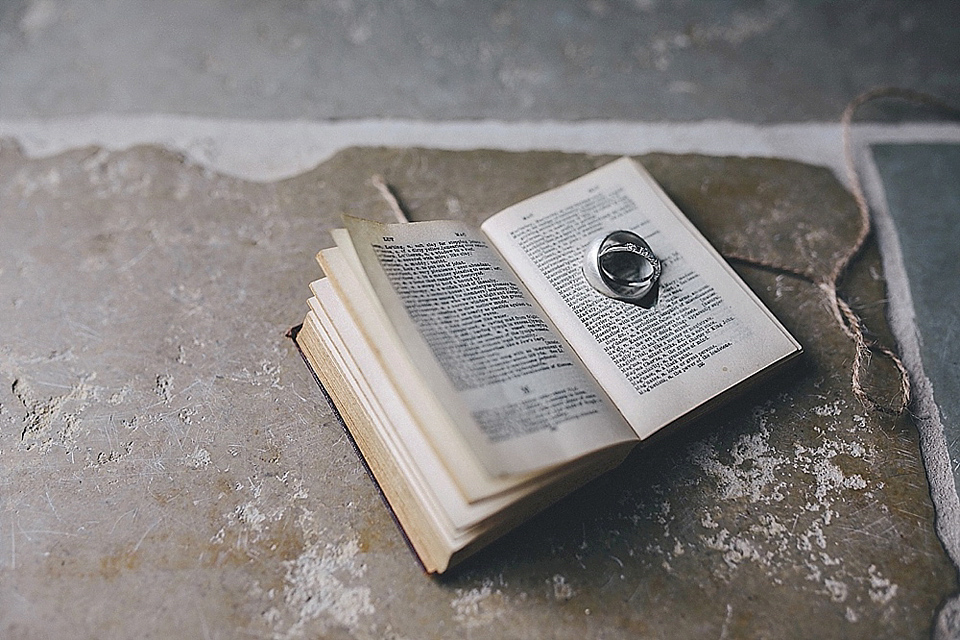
535,61
923,195
169,467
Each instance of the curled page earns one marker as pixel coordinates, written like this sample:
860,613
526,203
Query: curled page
504,377
705,334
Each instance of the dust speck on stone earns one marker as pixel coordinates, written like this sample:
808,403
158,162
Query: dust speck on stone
320,591
479,606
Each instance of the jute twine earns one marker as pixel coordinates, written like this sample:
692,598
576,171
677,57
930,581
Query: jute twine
845,316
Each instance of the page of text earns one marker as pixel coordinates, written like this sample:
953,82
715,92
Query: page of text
519,396
705,333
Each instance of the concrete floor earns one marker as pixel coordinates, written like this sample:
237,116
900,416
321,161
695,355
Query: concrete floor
167,467
745,60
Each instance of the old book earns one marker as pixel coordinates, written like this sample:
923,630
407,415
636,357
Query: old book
483,378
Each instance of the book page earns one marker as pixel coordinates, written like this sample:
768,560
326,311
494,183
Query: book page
515,392
397,426
706,332
342,266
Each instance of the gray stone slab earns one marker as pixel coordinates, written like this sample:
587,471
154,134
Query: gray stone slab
922,187
780,60
169,468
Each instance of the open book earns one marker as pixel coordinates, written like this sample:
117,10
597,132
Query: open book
483,378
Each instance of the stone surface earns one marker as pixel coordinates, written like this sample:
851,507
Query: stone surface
168,467
920,182
682,60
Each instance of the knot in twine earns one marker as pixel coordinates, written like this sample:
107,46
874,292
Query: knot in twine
844,314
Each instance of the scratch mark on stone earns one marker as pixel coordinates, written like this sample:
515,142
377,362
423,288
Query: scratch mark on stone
52,508
726,622
145,534
135,260
134,511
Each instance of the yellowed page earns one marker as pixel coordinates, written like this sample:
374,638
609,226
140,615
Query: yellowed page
707,331
396,424
518,398
474,482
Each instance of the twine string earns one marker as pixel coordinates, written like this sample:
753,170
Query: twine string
387,192
843,313
847,317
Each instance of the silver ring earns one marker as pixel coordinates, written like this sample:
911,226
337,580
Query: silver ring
621,265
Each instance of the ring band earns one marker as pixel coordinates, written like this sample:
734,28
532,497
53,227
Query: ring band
645,277
621,265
